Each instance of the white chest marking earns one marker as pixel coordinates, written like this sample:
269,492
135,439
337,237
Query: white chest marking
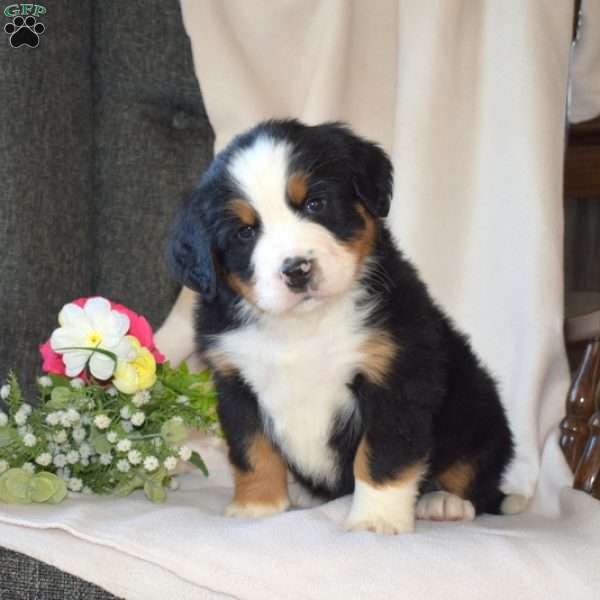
299,367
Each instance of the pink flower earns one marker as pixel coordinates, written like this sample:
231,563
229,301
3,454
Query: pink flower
138,328
53,362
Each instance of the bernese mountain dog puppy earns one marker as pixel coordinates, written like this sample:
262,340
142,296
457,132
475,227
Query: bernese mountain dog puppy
330,358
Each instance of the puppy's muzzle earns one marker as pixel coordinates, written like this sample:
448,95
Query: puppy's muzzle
297,273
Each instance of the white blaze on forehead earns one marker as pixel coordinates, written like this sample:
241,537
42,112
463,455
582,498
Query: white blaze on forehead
261,172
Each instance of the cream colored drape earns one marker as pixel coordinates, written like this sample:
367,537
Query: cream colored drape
469,99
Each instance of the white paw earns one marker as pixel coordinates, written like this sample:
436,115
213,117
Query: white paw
380,525
387,510
443,506
255,510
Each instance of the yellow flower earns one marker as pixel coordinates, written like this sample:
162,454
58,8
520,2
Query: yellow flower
138,371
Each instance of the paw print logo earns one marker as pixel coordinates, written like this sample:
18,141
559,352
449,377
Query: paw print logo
24,32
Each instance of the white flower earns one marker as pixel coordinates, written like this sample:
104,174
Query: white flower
60,460
185,453
72,457
26,408
182,399
112,436
44,381
87,490
53,418
170,463
20,417
77,383
3,465
127,426
23,430
125,412
124,445
73,416
151,463
141,398
64,419
86,419
28,467
85,450
123,465
3,419
85,461
177,419
138,418
95,325
60,436
134,457
173,484
79,434
44,459
29,440
4,391
112,391
75,484
106,458
101,422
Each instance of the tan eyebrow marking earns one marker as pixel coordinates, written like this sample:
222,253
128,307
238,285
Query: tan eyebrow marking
243,211
297,187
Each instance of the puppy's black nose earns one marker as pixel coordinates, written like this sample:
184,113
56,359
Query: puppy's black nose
297,272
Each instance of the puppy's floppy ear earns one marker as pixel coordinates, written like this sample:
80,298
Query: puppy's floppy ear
190,254
373,177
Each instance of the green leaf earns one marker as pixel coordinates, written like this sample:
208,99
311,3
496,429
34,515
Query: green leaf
155,491
8,435
99,441
16,486
15,396
128,485
60,491
91,349
59,398
197,461
61,380
43,487
173,431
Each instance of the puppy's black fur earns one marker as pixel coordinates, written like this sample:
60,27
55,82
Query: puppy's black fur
438,404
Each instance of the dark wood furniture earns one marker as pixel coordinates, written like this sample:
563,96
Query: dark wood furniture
580,429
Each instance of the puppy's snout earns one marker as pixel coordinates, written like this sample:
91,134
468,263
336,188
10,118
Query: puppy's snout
297,272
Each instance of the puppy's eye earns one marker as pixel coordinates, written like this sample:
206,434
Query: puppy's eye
314,206
246,233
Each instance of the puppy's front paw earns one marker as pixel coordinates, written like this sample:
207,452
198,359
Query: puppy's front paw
443,506
254,510
385,510
378,524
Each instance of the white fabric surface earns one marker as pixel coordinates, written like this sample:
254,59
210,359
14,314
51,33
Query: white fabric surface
469,98
186,549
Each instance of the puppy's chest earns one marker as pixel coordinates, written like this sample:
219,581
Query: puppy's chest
299,370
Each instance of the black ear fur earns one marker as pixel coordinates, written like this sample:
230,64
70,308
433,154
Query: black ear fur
190,255
373,177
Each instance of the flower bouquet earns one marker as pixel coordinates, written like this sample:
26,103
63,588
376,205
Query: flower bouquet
112,413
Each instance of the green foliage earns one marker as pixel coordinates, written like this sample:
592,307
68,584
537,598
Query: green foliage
15,396
84,437
197,461
8,436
